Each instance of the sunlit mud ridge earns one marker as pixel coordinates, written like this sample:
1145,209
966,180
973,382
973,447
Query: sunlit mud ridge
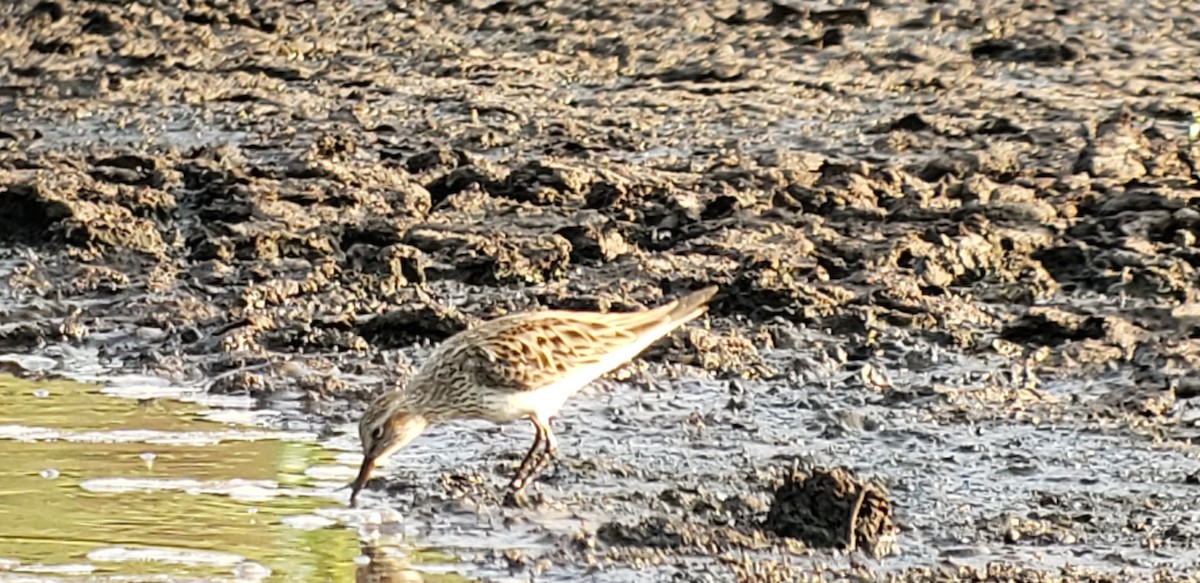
956,246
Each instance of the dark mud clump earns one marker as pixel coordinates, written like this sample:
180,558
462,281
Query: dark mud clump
807,509
833,508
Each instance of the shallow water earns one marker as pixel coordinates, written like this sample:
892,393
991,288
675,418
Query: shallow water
138,480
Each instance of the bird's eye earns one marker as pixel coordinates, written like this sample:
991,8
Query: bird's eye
378,433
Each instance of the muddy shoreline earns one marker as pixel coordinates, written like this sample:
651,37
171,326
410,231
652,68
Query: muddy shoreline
957,250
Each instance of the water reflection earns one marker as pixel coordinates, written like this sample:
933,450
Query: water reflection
100,486
385,565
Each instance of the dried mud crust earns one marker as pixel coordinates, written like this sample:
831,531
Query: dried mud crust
973,215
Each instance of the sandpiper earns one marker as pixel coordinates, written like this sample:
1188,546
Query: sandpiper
522,366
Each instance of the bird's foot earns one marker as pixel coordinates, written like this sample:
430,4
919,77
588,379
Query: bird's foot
518,499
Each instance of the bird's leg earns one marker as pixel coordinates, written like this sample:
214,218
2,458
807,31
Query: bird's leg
529,470
549,451
523,471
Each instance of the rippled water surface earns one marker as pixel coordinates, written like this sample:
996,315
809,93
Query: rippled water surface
135,480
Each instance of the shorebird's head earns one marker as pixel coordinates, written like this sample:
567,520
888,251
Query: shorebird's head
389,424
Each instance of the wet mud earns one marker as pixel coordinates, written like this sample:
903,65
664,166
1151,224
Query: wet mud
958,331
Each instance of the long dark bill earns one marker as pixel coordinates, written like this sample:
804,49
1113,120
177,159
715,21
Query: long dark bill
364,473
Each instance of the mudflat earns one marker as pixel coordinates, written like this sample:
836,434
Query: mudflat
957,333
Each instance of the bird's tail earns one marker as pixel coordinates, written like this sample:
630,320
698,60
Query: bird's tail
649,325
690,306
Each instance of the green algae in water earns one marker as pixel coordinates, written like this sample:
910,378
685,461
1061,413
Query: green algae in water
94,486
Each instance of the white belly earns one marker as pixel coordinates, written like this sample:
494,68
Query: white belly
542,403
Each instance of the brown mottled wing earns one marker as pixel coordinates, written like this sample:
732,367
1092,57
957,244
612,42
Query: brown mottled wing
530,351
536,350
